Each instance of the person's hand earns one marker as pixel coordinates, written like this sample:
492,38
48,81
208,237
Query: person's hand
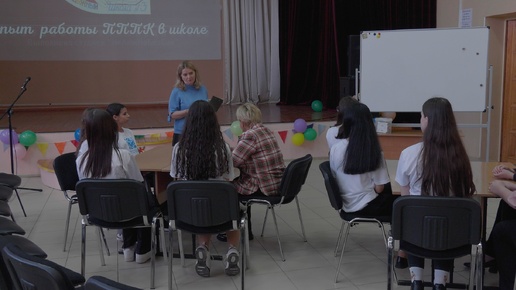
496,186
502,172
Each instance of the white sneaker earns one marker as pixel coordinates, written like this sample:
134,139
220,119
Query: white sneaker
140,259
202,267
129,254
231,262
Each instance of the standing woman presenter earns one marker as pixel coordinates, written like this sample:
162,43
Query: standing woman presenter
188,89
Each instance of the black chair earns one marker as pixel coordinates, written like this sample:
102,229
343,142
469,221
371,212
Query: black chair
26,246
116,204
103,283
13,181
348,219
5,194
293,179
32,272
205,207
437,228
67,177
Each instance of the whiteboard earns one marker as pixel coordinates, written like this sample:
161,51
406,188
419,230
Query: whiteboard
401,69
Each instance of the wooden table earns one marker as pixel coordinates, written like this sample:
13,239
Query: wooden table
157,160
482,177
400,138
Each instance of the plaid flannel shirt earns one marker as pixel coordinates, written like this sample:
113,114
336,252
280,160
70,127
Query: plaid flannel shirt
260,161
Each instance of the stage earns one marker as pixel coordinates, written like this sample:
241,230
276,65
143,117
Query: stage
67,118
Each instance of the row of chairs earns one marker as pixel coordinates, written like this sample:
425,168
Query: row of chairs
23,264
428,227
193,206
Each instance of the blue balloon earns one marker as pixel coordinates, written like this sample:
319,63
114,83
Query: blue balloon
78,135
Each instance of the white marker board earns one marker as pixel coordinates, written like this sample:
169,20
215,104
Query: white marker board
401,69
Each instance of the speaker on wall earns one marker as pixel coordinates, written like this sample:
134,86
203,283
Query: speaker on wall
353,54
347,86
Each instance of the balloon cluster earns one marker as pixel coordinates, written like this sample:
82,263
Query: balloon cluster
20,142
302,132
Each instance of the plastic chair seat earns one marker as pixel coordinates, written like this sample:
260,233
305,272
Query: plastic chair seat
8,227
10,179
291,183
6,192
31,272
25,245
348,219
117,204
205,207
5,210
448,228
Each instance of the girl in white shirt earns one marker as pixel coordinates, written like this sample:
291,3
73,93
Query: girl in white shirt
126,138
438,166
102,159
357,162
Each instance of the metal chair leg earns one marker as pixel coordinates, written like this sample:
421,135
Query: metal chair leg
337,246
277,234
101,252
181,249
105,242
83,248
300,219
153,254
19,200
265,218
67,225
170,256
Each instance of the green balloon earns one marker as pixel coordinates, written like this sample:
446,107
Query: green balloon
317,106
310,134
236,129
27,138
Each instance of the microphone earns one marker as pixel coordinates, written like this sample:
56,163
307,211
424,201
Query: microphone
27,80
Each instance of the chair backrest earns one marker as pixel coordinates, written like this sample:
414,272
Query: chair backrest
431,225
66,171
110,201
294,177
203,206
30,272
332,188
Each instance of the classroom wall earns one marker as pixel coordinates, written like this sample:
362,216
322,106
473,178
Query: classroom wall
492,14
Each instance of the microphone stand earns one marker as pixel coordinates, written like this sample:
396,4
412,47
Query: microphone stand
9,113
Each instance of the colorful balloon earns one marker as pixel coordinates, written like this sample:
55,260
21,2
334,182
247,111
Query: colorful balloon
299,125
317,106
236,129
27,138
298,139
310,134
77,134
4,137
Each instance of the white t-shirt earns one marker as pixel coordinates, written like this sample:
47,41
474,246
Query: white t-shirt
409,168
331,136
123,167
230,175
357,190
127,141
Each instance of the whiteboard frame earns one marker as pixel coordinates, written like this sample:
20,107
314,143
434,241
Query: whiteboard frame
401,69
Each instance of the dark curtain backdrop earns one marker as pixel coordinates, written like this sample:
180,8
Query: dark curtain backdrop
314,40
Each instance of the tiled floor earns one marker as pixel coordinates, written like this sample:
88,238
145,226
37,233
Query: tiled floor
309,265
